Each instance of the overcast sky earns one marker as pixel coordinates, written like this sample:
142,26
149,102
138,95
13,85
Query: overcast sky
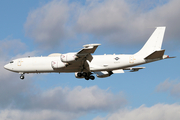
42,27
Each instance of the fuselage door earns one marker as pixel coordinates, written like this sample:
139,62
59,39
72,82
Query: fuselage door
131,59
19,62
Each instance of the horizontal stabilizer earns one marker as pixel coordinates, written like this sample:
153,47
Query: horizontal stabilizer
156,55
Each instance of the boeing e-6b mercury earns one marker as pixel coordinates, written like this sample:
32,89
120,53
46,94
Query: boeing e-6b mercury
83,64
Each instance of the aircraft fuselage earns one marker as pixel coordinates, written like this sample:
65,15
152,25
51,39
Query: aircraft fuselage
99,63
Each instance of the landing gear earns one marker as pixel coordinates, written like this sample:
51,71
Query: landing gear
87,76
79,74
22,76
92,77
84,74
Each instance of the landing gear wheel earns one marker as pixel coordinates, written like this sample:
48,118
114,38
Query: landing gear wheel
87,78
79,74
22,77
84,74
92,77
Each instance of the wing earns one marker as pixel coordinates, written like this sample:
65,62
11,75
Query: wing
87,51
103,74
78,61
89,48
83,57
134,69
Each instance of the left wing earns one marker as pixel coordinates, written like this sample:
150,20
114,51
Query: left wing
103,74
134,69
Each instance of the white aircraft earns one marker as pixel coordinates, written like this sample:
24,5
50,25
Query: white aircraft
84,64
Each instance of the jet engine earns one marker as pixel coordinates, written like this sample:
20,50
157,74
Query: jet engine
58,64
104,74
69,57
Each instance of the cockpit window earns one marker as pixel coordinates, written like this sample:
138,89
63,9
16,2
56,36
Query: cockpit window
11,61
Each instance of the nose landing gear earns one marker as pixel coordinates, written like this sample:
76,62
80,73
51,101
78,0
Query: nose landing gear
22,76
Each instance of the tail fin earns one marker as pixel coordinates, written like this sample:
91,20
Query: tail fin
154,43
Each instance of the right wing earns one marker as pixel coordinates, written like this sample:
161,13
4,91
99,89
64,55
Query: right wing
103,74
134,69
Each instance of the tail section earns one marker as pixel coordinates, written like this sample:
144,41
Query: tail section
154,43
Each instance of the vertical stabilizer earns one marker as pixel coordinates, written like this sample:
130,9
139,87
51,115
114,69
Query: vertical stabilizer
154,43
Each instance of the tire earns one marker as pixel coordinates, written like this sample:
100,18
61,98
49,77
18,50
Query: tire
22,77
92,77
84,74
79,74
87,78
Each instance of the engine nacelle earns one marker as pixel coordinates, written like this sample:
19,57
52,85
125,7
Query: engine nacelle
76,75
69,57
103,74
58,64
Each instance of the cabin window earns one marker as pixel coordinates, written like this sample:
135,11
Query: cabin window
12,62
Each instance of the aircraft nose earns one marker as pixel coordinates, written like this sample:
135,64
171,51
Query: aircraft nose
6,66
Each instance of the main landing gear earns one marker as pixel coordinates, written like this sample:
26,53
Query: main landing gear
87,76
